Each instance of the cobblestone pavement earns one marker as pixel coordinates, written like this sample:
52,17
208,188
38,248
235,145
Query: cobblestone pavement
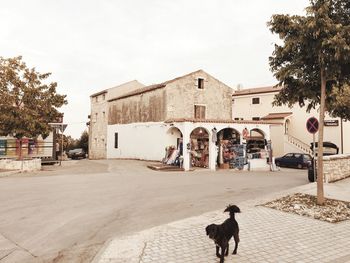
266,235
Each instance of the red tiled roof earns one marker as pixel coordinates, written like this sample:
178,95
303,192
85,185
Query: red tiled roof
275,116
139,91
152,87
99,93
217,121
257,90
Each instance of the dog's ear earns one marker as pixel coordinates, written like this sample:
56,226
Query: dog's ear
227,208
207,230
232,209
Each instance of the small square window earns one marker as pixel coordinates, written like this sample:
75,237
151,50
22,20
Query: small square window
200,83
255,118
255,100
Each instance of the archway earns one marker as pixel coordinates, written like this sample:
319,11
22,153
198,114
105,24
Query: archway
199,147
256,142
174,146
230,149
257,133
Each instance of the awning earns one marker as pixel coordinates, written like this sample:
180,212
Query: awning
277,116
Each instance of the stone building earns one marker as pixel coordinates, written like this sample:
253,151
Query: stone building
99,117
191,114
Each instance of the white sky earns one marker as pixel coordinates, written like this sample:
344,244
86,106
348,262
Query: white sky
90,45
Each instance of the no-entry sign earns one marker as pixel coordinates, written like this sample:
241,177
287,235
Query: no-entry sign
312,125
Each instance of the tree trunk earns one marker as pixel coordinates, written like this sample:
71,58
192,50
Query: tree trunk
320,192
20,157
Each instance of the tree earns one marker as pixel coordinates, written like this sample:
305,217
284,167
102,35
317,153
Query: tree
83,141
313,62
27,103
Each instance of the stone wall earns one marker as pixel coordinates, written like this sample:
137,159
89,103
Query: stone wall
98,127
336,167
144,107
183,93
25,165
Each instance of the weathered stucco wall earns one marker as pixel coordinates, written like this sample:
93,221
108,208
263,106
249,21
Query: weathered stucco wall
336,167
98,127
183,93
146,107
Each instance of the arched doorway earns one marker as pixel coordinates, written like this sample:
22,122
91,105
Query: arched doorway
230,149
199,147
174,147
256,142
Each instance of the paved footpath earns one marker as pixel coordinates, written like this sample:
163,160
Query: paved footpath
267,235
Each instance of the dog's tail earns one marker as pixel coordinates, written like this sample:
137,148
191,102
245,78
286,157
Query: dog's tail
232,209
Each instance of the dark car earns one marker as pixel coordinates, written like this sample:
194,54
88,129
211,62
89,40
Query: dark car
294,160
328,149
76,153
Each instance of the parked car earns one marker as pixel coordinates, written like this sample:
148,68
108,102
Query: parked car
328,149
76,153
294,160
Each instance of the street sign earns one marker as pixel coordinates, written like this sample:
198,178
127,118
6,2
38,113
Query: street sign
312,125
59,126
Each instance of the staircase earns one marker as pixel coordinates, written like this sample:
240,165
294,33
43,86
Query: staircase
302,146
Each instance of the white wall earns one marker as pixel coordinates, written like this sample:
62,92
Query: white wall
140,140
243,108
148,140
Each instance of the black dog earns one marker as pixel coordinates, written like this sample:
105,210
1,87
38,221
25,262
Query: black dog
221,234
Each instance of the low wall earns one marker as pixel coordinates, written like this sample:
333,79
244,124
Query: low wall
25,165
336,167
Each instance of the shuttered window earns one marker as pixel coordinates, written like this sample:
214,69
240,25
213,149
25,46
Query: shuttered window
199,112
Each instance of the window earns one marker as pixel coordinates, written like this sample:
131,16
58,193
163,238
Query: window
233,101
103,96
96,114
116,140
236,119
96,98
255,100
104,114
200,83
199,112
255,118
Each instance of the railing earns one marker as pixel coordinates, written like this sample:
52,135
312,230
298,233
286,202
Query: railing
299,144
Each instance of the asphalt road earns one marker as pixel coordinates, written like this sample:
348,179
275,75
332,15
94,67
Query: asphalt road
66,214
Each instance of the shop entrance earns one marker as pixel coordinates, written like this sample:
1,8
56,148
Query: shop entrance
200,147
256,144
230,150
174,147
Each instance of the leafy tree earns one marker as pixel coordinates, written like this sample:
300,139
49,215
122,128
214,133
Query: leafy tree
83,141
27,104
313,62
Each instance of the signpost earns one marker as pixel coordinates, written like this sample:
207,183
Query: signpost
61,127
312,127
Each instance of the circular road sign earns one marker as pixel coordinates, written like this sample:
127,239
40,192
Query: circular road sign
312,125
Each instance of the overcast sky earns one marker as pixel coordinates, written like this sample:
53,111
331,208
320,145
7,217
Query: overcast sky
90,45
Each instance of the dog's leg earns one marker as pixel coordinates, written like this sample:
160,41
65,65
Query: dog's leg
222,258
228,245
236,238
217,251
